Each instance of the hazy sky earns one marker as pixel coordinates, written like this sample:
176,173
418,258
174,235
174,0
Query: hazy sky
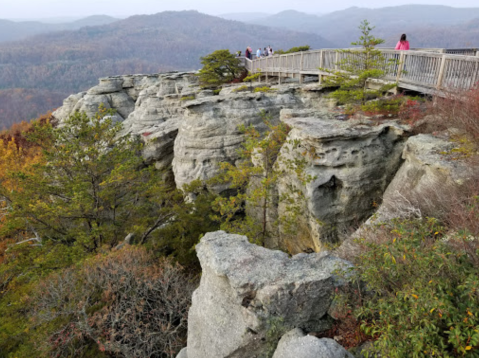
71,8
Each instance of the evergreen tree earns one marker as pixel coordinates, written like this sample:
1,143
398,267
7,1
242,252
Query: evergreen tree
90,190
359,66
219,67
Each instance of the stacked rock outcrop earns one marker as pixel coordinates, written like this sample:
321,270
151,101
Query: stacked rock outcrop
350,164
250,296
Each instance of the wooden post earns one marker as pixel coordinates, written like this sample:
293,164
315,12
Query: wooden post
441,72
320,79
301,69
336,66
477,53
402,58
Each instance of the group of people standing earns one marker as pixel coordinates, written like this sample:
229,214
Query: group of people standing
402,45
268,51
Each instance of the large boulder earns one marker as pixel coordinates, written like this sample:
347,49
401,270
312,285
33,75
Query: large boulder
249,296
296,344
350,165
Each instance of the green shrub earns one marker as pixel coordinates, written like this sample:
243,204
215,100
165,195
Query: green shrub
241,89
264,89
385,106
252,77
187,98
422,293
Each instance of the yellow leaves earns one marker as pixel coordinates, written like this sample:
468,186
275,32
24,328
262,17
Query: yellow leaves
468,348
415,296
431,311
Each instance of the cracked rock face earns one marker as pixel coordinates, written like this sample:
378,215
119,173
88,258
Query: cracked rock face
175,118
248,292
210,134
351,165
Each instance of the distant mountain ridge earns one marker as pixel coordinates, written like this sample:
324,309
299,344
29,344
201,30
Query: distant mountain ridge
244,16
340,27
14,30
71,61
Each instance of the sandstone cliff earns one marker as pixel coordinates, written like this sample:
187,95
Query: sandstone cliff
188,131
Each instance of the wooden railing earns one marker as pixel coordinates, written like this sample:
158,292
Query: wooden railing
427,70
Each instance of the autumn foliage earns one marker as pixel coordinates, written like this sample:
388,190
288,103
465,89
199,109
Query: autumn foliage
126,304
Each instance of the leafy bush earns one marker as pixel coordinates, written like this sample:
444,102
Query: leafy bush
252,77
187,98
421,297
400,106
264,89
126,304
383,106
241,89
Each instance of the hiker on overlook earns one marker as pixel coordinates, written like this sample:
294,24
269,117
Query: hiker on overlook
265,52
403,43
271,52
258,53
247,54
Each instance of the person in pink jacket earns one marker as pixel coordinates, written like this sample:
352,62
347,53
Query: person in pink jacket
403,44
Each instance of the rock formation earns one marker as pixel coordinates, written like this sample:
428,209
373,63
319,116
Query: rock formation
425,185
350,164
188,131
209,133
185,128
249,296
295,344
429,172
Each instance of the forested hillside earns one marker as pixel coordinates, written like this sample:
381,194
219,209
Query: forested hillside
13,30
426,24
26,103
71,61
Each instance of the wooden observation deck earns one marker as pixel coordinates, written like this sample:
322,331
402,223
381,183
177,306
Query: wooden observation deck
429,71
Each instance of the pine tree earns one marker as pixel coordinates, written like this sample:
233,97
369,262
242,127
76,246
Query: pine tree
219,67
359,66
